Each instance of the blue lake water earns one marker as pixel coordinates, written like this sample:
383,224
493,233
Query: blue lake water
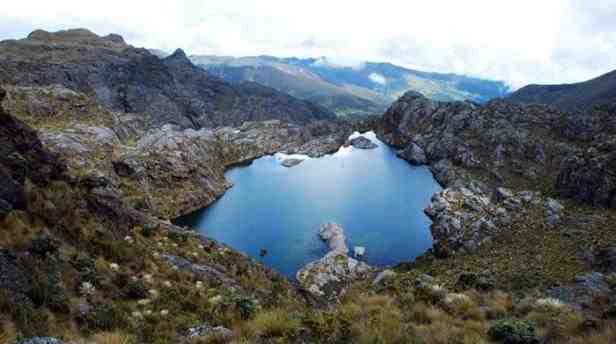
376,197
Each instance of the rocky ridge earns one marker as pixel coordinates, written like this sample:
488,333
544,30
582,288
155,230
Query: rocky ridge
474,150
132,80
167,171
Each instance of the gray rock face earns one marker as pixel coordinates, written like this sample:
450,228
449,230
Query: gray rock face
362,142
129,79
413,154
327,276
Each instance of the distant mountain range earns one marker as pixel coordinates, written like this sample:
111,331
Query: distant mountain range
369,89
600,91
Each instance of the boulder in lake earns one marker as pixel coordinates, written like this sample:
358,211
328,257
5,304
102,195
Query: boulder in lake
291,162
362,142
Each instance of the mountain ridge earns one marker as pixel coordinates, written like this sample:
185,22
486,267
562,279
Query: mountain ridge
599,91
370,88
129,79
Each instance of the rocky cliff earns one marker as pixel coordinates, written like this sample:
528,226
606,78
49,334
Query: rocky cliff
132,80
166,171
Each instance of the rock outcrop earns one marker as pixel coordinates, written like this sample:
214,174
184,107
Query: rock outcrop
501,143
326,277
132,80
166,171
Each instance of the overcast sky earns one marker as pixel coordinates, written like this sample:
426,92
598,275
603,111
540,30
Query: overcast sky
520,42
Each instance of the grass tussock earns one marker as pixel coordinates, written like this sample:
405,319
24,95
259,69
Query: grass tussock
275,323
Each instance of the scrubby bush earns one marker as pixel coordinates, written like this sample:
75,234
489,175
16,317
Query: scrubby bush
247,306
135,289
105,317
513,331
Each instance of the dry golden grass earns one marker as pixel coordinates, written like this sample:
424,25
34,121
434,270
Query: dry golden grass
8,332
113,338
498,305
275,323
607,335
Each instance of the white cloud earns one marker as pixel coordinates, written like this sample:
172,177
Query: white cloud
524,41
378,78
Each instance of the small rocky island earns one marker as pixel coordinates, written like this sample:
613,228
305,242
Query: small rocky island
361,142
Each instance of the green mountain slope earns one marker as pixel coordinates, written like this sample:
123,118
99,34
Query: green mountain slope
346,90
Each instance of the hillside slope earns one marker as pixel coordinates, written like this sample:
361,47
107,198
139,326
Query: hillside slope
346,90
129,79
600,91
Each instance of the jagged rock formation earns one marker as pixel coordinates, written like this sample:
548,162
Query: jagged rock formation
132,80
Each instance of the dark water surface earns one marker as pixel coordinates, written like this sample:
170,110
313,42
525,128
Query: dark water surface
377,198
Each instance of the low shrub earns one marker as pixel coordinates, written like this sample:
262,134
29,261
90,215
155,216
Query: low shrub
105,317
513,331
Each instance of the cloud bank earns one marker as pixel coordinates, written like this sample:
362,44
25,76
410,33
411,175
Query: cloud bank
378,78
520,42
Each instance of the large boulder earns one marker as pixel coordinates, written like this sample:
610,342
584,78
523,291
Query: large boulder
413,154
